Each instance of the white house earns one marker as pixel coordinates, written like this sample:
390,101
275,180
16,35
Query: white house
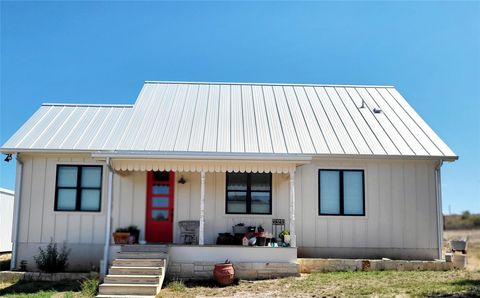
353,170
6,219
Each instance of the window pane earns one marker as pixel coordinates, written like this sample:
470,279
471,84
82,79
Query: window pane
353,192
260,202
237,181
236,202
160,214
160,189
67,176
260,181
66,199
91,177
90,200
329,192
161,176
160,202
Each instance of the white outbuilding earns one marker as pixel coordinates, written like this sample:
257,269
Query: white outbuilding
6,219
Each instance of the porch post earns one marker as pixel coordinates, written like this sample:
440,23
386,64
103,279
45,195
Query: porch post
106,249
201,232
293,235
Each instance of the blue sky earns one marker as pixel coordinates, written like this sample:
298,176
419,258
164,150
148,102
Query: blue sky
101,52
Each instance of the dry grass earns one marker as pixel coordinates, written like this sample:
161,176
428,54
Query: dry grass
342,284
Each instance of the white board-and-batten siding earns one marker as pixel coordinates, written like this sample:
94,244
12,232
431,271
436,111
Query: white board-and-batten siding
400,212
400,209
39,222
82,232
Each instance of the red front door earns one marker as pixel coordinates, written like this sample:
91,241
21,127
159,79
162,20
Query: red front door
159,224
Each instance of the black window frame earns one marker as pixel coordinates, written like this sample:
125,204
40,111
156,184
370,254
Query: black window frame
248,194
342,199
78,188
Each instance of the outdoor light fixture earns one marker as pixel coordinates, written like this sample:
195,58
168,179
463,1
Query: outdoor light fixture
8,158
182,180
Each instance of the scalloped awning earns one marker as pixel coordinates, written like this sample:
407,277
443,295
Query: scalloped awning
248,166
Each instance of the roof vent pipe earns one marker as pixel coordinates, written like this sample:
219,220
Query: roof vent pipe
377,110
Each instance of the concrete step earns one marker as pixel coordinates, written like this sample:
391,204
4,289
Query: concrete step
144,247
128,289
132,279
139,262
141,255
115,270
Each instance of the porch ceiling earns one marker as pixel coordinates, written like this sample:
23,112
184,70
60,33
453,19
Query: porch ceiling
250,166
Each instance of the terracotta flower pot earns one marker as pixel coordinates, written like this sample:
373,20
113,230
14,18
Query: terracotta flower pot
121,238
224,273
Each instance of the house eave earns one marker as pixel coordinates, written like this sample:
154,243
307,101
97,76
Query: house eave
257,156
128,154
200,155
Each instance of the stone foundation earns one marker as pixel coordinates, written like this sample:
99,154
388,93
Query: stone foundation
40,276
333,265
246,271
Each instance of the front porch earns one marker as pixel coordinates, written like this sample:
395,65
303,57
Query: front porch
213,253
199,193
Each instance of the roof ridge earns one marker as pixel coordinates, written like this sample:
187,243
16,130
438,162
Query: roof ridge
269,84
48,104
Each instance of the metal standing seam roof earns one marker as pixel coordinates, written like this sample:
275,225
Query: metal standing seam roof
238,118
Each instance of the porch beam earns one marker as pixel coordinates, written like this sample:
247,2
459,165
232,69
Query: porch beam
293,235
201,232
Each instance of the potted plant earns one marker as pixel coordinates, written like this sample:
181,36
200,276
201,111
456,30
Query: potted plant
239,228
284,233
121,236
134,234
261,240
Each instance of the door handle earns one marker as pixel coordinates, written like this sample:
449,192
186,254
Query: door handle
171,217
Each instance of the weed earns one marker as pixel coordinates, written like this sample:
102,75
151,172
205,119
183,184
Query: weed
90,287
177,286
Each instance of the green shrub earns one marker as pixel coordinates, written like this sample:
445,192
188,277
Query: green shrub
90,287
465,214
51,260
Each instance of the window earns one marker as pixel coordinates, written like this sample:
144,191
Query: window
341,192
78,188
249,193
